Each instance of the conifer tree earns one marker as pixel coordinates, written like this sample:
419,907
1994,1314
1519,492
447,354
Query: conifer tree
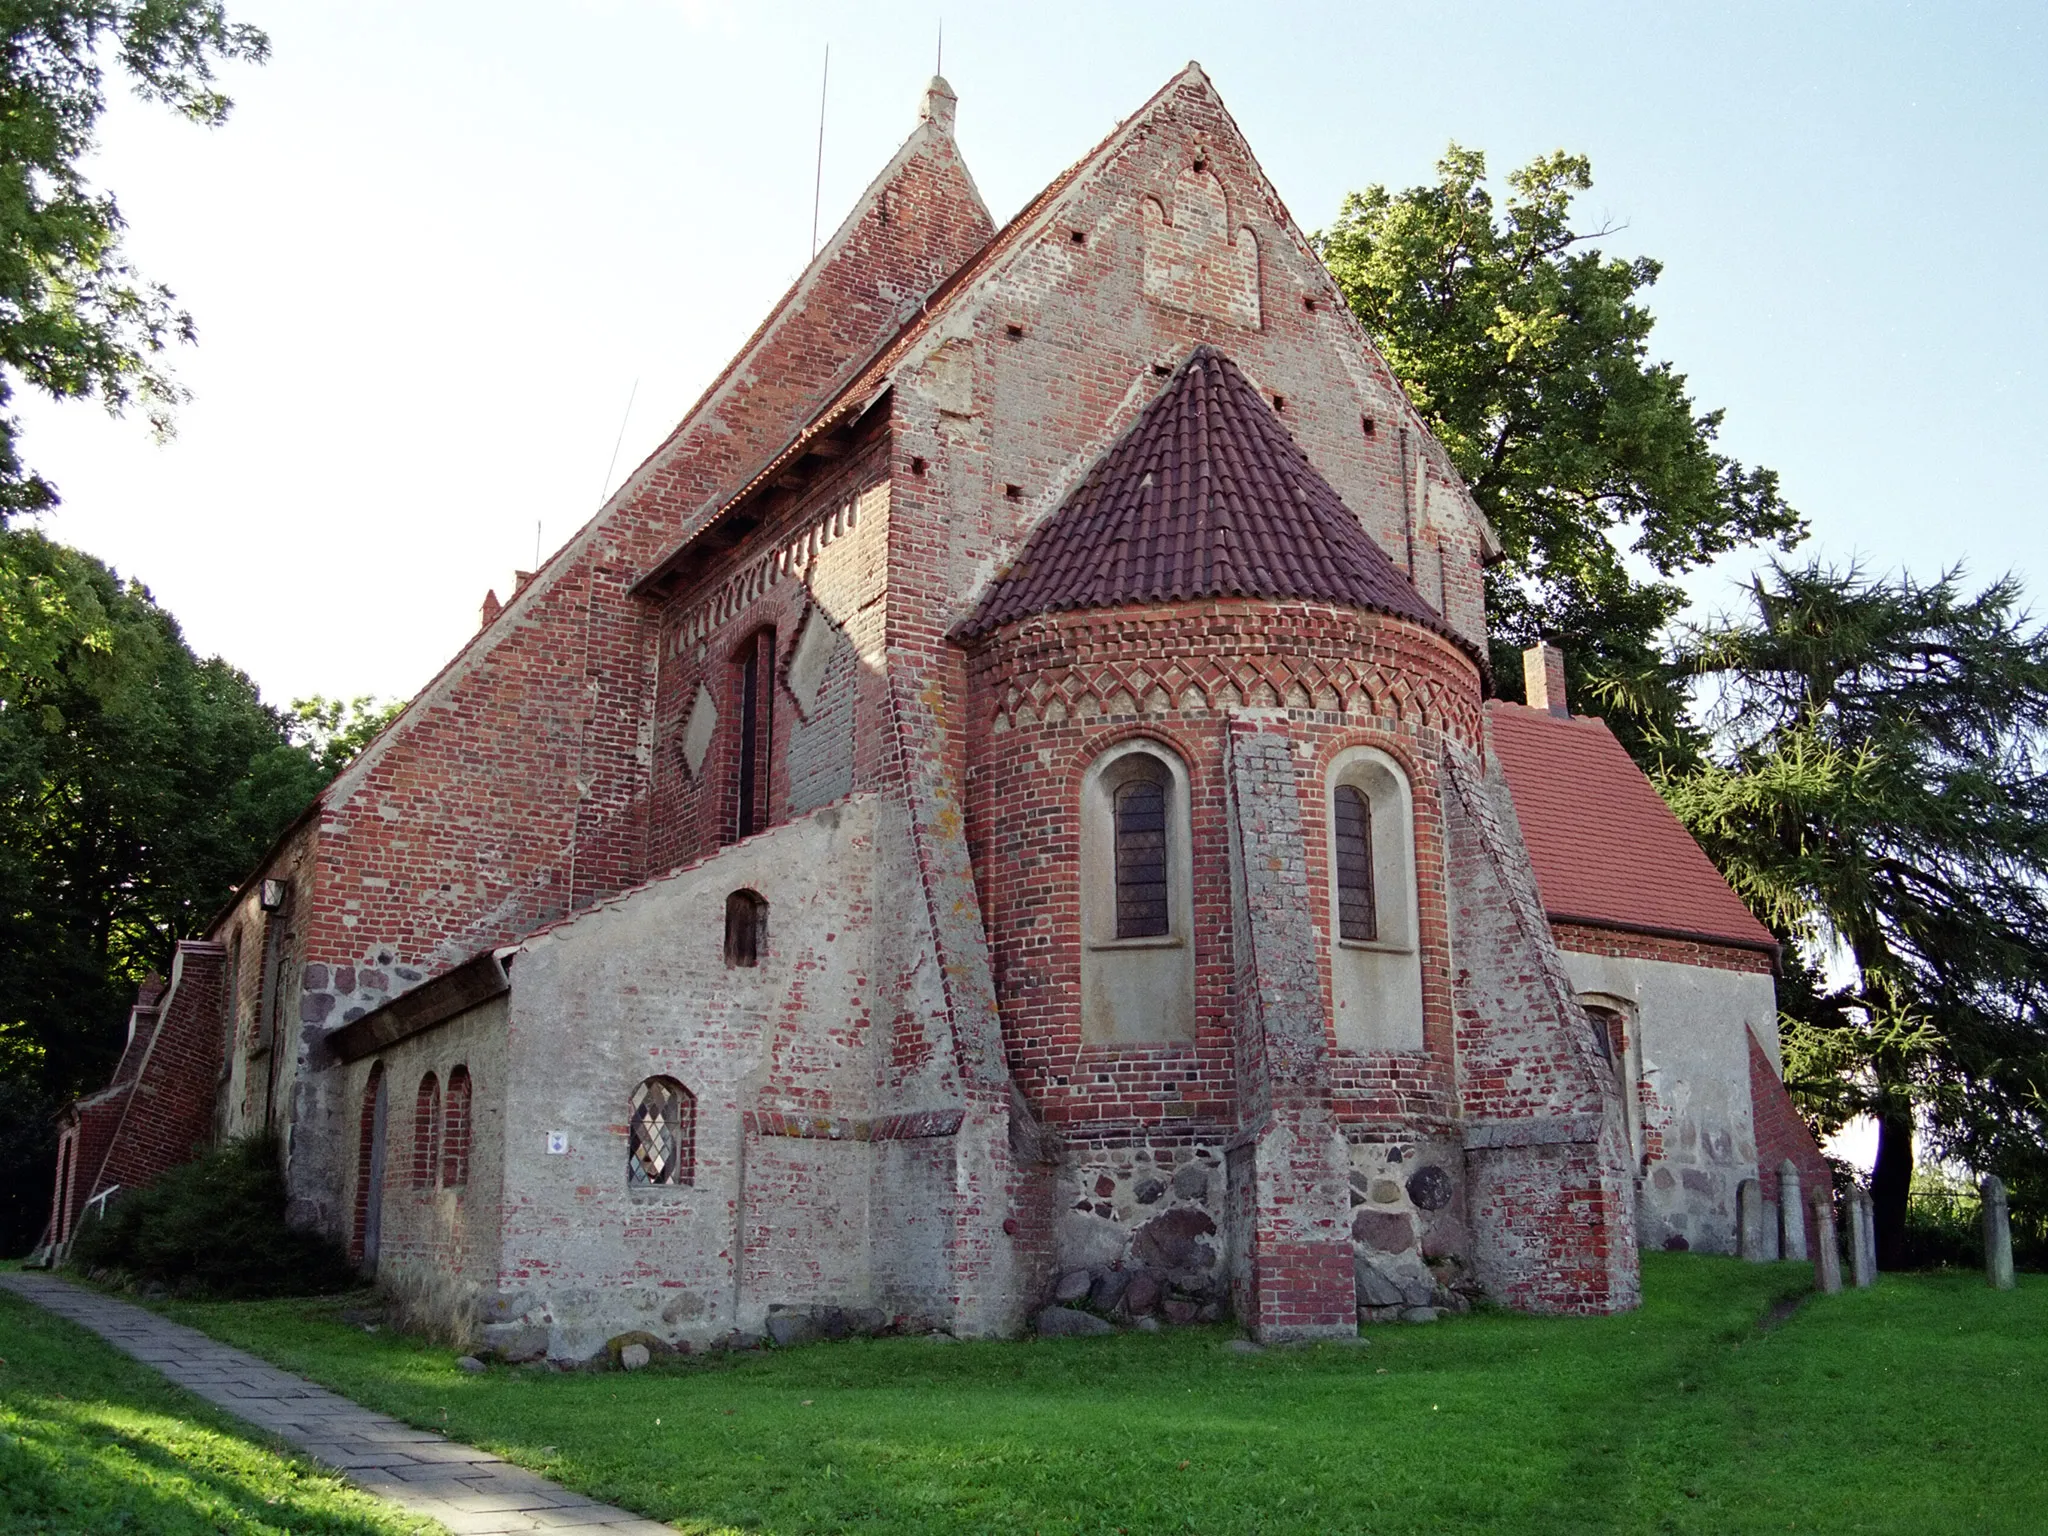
1874,782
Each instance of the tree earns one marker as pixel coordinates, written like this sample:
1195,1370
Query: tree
76,320
1525,348
1875,783
138,785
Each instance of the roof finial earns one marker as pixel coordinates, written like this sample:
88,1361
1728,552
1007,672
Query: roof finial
939,105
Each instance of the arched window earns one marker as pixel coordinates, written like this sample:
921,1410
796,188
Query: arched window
1608,1031
1139,809
662,1133
1618,1036
1137,898
1358,914
369,1204
455,1130
426,1132
754,682
746,928
1375,954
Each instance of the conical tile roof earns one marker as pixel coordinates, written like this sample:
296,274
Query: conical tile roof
1207,495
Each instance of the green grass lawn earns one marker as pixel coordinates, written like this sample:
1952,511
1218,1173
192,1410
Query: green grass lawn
1920,1406
92,1442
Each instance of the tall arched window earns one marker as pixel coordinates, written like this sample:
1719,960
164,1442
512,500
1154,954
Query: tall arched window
746,928
1138,807
426,1132
754,682
1358,914
455,1130
1375,954
1137,898
662,1133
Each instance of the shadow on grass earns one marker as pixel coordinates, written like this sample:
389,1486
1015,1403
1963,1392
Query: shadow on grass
95,1443
1683,1416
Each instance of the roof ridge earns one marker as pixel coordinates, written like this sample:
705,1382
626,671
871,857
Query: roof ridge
866,378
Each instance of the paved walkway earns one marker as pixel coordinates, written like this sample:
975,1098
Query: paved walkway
471,1492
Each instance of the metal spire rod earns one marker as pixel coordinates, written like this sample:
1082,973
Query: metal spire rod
818,184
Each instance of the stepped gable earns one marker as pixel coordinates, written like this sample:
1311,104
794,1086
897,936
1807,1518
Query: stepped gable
1608,852
1207,495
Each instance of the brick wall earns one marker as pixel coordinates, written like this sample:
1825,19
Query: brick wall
1049,696
826,551
167,1118
1549,1188
439,1242
1593,940
514,788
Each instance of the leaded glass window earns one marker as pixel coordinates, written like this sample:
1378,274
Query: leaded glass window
662,1131
1141,902
1357,906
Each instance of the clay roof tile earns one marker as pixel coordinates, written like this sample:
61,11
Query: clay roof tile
1207,495
1608,851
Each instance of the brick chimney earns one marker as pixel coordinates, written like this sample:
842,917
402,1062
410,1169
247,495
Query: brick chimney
1543,678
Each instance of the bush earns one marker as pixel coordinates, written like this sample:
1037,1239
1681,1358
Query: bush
214,1227
1945,1227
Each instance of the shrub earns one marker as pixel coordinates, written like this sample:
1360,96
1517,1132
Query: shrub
214,1227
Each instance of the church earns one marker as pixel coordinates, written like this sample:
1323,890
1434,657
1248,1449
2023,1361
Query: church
1005,809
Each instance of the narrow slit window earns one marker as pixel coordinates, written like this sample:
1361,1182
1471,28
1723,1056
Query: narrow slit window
663,1133
455,1131
1141,903
426,1132
1357,906
756,680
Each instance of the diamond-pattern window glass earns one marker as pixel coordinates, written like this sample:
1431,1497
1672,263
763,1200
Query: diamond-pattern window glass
662,1129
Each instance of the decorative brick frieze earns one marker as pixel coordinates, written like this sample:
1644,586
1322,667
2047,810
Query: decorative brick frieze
1220,657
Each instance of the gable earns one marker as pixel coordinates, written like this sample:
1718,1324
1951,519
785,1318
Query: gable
1167,237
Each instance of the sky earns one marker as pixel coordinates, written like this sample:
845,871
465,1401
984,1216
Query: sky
458,266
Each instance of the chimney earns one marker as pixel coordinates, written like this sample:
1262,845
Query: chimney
1543,678
939,105
491,609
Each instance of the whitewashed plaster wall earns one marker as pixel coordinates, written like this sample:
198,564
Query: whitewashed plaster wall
1691,1026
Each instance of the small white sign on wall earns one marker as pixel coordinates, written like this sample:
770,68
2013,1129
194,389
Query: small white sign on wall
558,1143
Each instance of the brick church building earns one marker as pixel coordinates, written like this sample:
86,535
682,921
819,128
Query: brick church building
1003,804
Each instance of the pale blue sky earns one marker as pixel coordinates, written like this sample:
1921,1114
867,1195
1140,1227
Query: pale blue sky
440,242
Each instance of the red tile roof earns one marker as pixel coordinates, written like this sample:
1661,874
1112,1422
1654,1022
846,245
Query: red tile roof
1207,495
1608,851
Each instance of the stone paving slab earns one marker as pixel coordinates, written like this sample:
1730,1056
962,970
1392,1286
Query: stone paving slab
469,1491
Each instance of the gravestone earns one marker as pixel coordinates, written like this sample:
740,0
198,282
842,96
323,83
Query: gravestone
1862,1238
1997,1234
1769,1252
1827,1258
1791,1213
1750,1208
